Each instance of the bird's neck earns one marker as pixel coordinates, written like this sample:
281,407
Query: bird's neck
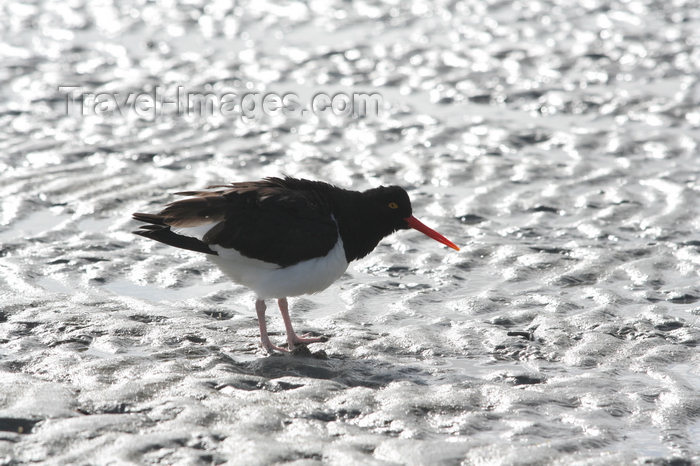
358,224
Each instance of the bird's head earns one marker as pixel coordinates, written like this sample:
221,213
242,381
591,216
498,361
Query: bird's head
393,206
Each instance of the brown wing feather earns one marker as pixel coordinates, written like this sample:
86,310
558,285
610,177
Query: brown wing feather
194,211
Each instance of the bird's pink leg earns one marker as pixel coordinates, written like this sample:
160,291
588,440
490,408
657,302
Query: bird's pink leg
292,337
264,338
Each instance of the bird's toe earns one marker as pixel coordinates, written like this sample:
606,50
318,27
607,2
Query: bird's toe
308,338
270,348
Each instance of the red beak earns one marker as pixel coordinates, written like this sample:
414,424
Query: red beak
416,224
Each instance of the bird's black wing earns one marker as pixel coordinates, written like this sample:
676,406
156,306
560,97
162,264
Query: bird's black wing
281,221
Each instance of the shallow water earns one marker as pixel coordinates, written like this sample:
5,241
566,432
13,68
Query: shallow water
556,143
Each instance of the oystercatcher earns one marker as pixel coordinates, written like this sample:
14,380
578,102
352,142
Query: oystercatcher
283,237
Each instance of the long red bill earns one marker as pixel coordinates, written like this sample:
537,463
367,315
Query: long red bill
416,224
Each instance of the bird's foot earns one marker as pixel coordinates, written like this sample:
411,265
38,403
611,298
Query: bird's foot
295,345
307,338
270,348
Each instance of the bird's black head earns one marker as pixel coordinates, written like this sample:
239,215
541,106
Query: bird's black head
367,217
391,205
393,210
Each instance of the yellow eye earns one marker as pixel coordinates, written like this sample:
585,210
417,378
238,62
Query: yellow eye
393,205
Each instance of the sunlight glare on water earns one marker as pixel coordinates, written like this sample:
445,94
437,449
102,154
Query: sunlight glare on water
555,142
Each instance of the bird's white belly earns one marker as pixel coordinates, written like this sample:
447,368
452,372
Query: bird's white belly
269,280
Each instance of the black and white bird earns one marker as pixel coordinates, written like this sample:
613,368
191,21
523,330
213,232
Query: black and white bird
283,237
